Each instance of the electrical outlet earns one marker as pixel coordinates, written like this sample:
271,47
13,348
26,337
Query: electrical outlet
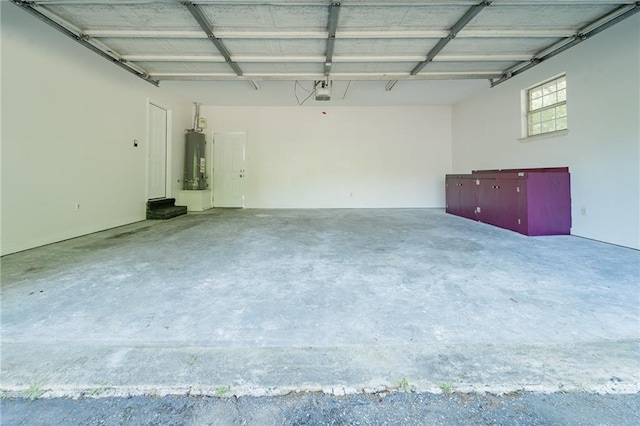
583,211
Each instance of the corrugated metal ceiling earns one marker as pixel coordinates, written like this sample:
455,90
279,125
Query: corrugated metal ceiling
292,40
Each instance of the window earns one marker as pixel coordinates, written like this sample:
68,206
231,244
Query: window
547,107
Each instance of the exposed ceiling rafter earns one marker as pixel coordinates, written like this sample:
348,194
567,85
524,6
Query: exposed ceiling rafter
320,59
361,34
355,3
390,85
453,32
595,27
334,76
206,27
77,35
334,10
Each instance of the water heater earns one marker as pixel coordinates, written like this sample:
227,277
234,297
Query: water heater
195,166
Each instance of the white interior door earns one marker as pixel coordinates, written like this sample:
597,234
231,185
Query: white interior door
228,169
157,152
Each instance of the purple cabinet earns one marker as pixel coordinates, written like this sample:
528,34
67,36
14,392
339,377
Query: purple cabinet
547,204
452,195
461,195
528,201
498,202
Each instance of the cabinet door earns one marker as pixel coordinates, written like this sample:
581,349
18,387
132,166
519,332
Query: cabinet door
507,200
523,216
549,204
498,202
488,201
468,199
452,195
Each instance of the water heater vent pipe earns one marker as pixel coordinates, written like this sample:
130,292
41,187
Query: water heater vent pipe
196,118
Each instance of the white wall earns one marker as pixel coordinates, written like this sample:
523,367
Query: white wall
602,148
298,157
344,93
69,119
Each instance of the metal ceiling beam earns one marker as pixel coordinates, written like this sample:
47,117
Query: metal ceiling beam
481,58
173,58
144,34
334,76
318,59
390,85
355,3
462,22
595,27
331,40
84,40
206,27
541,33
297,35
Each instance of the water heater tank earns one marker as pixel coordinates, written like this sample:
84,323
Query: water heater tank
194,162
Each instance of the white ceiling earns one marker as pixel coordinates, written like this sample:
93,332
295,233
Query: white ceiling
274,43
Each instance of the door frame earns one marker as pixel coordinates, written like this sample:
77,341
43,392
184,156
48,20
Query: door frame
212,152
168,175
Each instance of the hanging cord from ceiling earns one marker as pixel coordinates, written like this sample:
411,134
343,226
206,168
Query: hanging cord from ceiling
344,96
295,92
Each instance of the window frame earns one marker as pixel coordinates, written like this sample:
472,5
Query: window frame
528,113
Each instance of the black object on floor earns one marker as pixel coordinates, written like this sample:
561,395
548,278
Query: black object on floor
164,208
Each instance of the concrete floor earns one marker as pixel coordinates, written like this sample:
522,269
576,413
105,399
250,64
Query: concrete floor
263,302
